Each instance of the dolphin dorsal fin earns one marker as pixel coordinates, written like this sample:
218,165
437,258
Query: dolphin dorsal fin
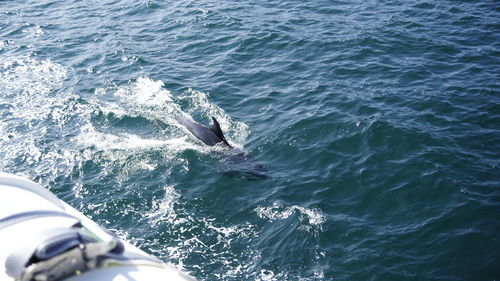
218,131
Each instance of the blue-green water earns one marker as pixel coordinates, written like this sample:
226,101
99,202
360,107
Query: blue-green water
379,123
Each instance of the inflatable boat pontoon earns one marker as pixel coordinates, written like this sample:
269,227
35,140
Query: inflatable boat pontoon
44,239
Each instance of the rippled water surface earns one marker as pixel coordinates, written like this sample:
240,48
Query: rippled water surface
378,122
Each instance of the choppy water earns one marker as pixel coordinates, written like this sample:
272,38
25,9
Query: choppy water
379,123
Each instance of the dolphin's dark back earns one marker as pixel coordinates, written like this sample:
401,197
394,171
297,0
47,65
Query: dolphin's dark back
208,136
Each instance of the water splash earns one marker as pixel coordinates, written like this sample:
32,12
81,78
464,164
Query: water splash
90,137
307,217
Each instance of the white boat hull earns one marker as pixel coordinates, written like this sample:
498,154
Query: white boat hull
30,215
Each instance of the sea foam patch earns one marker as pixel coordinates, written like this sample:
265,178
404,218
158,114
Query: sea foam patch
145,92
29,77
308,217
163,209
103,141
30,93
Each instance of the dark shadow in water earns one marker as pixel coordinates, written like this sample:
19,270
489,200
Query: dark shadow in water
243,165
249,176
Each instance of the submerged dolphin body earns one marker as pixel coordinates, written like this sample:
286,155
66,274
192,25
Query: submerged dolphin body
245,164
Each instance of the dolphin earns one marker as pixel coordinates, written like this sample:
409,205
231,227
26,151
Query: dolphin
246,165
209,136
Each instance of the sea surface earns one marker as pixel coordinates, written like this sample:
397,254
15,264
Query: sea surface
378,123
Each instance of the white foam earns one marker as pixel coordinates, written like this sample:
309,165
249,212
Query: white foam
145,92
143,97
31,89
313,217
27,76
269,275
163,209
90,137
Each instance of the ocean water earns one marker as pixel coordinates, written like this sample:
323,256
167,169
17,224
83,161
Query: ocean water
378,122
